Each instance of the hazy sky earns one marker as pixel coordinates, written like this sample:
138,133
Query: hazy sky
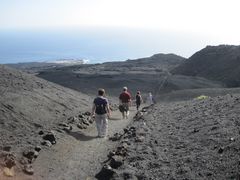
215,21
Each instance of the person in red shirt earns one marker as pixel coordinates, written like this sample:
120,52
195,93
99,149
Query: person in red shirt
124,102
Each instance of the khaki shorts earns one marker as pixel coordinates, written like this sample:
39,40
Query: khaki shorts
124,107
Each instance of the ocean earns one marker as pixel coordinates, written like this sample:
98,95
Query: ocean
94,45
29,46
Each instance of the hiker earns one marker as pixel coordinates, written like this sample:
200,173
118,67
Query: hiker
101,112
150,99
138,99
124,102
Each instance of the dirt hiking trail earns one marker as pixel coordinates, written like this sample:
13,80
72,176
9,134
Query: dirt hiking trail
79,154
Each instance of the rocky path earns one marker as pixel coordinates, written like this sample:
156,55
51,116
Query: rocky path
196,139
78,154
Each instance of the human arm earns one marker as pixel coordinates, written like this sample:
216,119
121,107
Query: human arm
108,109
120,99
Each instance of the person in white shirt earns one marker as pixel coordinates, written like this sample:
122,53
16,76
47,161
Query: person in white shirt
150,99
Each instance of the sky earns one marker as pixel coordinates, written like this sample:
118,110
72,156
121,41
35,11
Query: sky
181,26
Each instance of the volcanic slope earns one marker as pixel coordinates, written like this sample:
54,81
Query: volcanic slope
146,74
29,105
197,139
219,63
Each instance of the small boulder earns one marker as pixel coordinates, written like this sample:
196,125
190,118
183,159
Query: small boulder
10,161
81,116
220,150
29,154
36,154
87,113
41,132
121,150
81,126
133,129
195,130
106,172
38,148
50,137
68,128
116,137
125,130
46,143
72,119
90,121
28,169
111,154
85,122
9,172
116,161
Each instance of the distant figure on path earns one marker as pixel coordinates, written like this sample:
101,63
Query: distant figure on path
138,99
101,112
150,99
124,102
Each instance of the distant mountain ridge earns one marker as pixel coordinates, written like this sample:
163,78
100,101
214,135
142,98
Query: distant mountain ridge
149,74
160,60
219,63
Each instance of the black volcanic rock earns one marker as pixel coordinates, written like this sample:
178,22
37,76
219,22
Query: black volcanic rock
195,139
50,137
28,169
219,63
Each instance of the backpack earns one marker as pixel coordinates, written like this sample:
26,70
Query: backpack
101,105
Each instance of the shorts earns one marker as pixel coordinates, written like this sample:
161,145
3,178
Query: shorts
123,107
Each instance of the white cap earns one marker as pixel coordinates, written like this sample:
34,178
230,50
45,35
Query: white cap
125,88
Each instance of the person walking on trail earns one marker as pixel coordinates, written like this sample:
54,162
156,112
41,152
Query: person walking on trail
101,112
138,99
150,99
124,101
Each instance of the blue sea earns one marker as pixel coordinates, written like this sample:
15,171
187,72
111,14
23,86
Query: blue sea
96,45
